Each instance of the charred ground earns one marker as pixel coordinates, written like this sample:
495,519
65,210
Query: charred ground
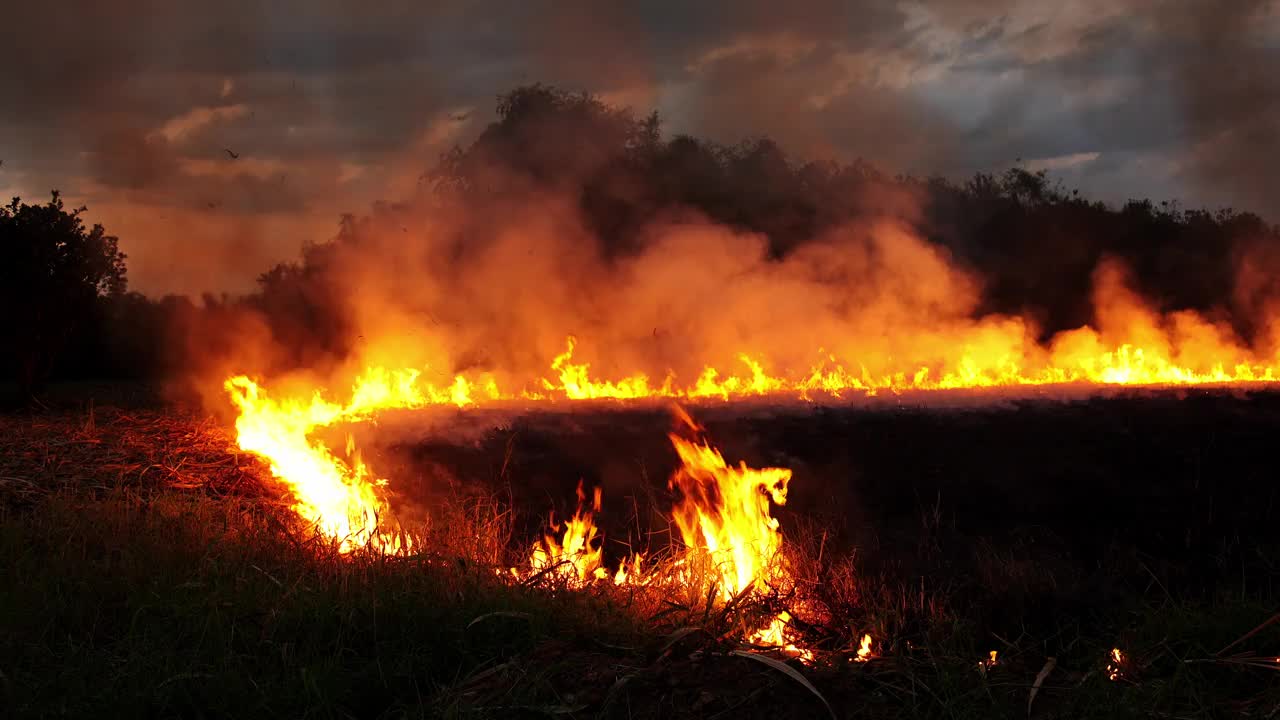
154,569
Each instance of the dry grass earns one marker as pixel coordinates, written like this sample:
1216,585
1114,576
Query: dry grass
157,556
110,449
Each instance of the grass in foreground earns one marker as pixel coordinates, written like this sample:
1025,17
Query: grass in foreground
186,606
164,599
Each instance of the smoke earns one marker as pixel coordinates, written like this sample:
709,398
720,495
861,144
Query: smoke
696,293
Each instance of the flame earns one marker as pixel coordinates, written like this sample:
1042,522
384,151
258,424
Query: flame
340,498
575,556
576,382
864,649
1129,344
724,515
990,662
1080,357
724,520
728,533
630,572
1115,667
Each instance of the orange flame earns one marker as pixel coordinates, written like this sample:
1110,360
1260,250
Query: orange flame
574,557
864,650
1115,668
724,515
724,521
339,498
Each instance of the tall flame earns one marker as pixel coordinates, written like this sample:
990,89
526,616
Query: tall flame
724,516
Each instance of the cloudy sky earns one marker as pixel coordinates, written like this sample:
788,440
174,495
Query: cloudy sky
131,106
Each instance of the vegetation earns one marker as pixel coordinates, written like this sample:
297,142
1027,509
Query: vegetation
151,570
54,277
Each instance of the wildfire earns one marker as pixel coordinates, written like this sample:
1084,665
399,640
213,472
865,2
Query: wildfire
1182,349
731,543
724,517
1078,357
730,537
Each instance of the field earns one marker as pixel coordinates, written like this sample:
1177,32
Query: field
151,569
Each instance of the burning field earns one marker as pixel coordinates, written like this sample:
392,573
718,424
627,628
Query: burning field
931,554
574,430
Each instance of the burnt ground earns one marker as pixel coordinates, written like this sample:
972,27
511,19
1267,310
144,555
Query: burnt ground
1038,528
1185,483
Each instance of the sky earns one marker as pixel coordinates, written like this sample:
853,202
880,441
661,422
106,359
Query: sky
134,108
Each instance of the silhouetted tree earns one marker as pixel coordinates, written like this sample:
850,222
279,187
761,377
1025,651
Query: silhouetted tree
54,275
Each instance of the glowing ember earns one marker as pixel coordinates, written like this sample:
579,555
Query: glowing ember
989,663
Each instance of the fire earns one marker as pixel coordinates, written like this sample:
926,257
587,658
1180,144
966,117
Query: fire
1115,665
1130,343
990,662
575,556
864,649
724,518
728,531
340,498
731,543
1077,357
576,382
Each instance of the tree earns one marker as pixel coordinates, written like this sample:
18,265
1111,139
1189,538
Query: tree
54,275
